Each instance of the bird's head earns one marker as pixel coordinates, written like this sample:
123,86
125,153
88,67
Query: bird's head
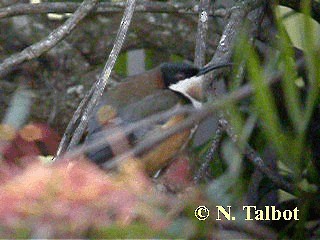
187,79
175,72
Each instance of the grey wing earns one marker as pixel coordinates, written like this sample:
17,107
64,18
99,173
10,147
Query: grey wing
160,101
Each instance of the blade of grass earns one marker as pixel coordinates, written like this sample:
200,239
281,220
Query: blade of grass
290,89
313,65
266,107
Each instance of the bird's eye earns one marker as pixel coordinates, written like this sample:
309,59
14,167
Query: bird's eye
180,76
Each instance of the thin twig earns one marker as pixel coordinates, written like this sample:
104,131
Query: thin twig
258,162
103,7
162,116
201,39
210,153
231,32
102,81
72,125
50,41
276,178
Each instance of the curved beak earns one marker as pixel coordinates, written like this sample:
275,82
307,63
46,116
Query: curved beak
209,68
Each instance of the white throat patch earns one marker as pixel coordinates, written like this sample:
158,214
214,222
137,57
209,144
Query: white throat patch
190,88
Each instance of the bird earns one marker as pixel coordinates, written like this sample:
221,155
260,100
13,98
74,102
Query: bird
136,98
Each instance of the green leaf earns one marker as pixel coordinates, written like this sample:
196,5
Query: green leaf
265,104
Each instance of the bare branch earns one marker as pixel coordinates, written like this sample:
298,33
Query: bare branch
210,154
104,7
201,38
224,50
102,81
72,125
200,53
129,128
258,162
49,42
276,178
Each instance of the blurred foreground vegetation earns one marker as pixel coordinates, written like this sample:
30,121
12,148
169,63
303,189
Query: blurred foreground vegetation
76,199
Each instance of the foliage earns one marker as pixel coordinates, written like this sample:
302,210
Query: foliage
75,199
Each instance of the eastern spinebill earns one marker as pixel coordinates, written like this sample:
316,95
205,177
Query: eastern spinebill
136,98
